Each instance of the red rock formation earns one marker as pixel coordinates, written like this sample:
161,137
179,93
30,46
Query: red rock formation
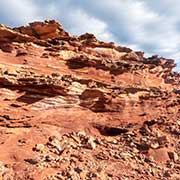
56,85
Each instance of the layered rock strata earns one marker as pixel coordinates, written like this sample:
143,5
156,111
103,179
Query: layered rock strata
105,104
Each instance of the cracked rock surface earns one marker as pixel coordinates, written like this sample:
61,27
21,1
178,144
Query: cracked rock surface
74,107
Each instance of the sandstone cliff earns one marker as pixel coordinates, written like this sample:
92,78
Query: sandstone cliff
73,107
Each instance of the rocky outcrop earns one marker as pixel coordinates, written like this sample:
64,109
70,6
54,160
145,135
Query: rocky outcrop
43,30
79,108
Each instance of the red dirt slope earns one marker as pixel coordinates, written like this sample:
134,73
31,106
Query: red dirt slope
78,108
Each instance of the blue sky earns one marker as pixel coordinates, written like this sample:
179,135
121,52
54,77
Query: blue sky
152,26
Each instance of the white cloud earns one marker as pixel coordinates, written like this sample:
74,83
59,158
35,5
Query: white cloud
18,12
84,23
76,20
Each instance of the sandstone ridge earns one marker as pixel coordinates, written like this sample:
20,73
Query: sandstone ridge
74,107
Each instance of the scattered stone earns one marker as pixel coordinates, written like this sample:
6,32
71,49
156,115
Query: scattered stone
155,145
91,143
32,161
167,174
82,174
173,156
39,147
159,155
162,140
117,110
81,134
49,158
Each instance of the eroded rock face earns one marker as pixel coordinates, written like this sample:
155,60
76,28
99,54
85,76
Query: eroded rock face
68,100
43,30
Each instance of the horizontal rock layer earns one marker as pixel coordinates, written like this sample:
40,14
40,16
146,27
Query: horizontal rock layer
53,84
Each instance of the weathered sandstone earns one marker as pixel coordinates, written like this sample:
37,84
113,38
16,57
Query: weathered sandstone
79,108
